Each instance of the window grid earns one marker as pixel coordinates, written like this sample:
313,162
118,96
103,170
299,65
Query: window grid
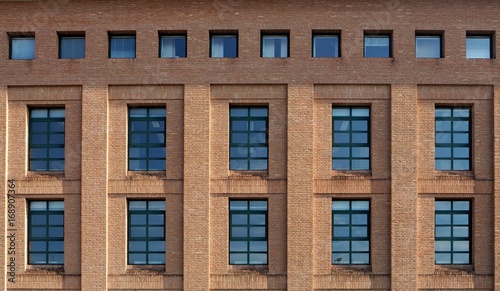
453,140
46,139
147,139
46,233
146,232
249,138
350,232
248,232
452,232
351,138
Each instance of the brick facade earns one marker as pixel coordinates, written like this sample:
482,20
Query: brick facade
299,185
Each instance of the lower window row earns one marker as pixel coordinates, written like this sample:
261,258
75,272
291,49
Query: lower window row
248,232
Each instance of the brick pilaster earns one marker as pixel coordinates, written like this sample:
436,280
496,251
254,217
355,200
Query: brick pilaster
94,199
404,187
196,187
300,187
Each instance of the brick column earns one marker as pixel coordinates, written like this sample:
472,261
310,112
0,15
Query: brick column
404,187
496,162
300,187
196,187
94,199
3,178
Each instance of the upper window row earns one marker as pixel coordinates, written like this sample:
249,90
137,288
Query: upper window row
324,45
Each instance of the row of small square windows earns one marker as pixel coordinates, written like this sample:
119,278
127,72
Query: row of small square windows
272,46
248,232
248,141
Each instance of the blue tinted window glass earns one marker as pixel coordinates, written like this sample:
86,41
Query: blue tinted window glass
72,47
478,47
428,46
121,46
22,48
326,46
173,46
377,46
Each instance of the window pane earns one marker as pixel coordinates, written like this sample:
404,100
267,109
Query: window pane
478,47
377,46
275,46
72,47
224,46
122,47
428,46
173,47
22,48
326,46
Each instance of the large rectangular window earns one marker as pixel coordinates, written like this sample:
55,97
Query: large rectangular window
224,46
479,47
146,232
173,46
46,139
275,46
122,46
351,138
350,232
248,145
147,139
453,138
428,46
72,47
46,232
377,46
326,46
22,47
452,232
248,232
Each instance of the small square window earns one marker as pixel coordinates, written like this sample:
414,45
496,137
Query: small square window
224,46
478,47
275,46
428,46
122,46
173,46
72,47
326,46
22,47
377,46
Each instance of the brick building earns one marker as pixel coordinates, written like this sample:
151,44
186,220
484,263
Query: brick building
227,144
